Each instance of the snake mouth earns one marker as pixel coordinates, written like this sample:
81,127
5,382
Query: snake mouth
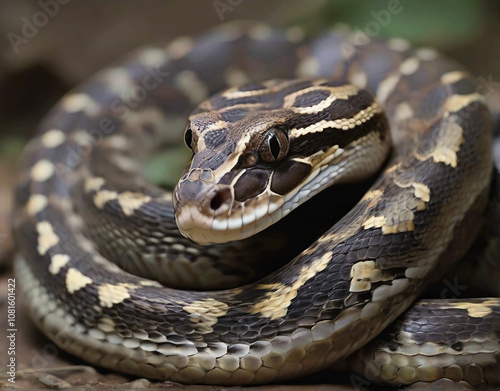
213,215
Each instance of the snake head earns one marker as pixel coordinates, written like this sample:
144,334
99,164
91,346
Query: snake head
262,150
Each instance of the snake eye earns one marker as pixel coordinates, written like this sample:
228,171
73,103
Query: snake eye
274,146
188,137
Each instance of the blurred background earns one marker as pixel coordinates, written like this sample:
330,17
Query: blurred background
49,46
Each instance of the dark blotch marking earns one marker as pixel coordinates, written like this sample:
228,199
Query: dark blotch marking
342,108
250,184
333,83
227,178
189,190
234,115
214,138
288,175
311,98
253,87
214,162
220,102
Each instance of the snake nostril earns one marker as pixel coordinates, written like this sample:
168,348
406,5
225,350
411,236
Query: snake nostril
220,198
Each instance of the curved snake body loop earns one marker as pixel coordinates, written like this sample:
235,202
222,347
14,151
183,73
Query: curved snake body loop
262,148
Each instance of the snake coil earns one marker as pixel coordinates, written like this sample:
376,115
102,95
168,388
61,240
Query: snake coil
259,151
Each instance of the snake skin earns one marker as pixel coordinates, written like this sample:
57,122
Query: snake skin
80,182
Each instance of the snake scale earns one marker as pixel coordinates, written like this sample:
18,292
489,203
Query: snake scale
279,119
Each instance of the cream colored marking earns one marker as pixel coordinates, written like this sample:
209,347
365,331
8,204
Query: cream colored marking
374,222
448,144
260,32
57,262
363,272
103,196
295,34
406,225
235,93
422,191
321,158
93,184
180,47
427,54
403,112
230,32
395,220
393,168
409,66
276,302
75,280
374,196
52,138
80,102
348,50
453,77
206,312
386,87
152,57
341,123
235,77
358,38
456,102
36,203
150,283
107,325
110,294
308,67
359,79
398,44
125,163
82,138
46,237
42,170
476,310
116,141
119,81
191,86
130,201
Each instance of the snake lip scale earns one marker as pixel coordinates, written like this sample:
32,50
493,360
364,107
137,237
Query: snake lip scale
273,119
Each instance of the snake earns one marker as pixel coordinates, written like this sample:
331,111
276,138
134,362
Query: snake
125,274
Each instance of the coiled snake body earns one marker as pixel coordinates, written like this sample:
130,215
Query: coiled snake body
259,151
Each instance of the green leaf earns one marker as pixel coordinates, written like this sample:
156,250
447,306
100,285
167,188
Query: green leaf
165,168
